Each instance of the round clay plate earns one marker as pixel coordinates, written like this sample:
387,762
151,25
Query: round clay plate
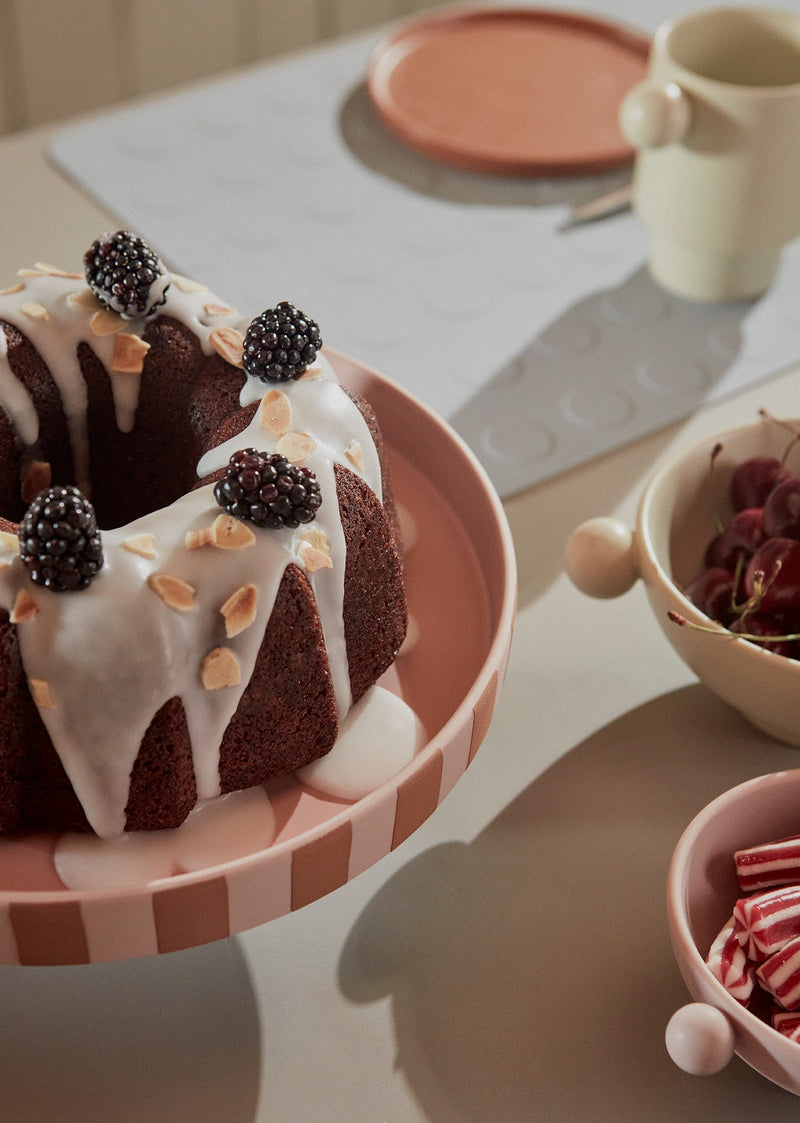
462,548
514,91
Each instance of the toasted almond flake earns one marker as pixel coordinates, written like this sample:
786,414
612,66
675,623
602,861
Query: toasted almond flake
314,559
38,475
186,284
355,454
296,446
176,594
129,353
9,541
219,310
231,534
24,608
311,374
275,413
41,693
25,272
84,298
229,343
106,322
220,668
239,610
20,285
56,271
142,544
34,310
196,538
316,538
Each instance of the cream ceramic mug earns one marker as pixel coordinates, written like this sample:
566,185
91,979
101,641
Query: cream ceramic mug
716,126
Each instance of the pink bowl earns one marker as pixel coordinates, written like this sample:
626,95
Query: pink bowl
701,891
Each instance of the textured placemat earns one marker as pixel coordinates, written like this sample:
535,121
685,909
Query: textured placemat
544,348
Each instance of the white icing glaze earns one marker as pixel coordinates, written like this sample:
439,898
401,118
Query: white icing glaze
136,652
217,831
379,736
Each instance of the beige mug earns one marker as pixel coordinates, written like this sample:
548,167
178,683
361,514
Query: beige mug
716,126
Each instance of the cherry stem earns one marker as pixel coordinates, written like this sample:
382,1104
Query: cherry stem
710,630
787,425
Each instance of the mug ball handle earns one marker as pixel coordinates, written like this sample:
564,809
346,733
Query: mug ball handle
652,116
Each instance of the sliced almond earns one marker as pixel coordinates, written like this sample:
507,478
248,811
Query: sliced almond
20,285
35,311
355,454
106,322
38,476
26,272
84,298
24,608
311,374
129,353
275,413
41,693
55,271
142,544
196,538
186,284
220,668
176,594
229,343
219,310
314,559
317,538
231,534
295,446
314,551
9,541
239,610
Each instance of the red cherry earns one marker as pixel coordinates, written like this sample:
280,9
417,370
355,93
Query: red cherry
758,624
754,479
782,510
773,574
742,536
712,592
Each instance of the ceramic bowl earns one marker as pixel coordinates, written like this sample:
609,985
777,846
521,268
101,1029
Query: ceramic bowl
701,890
675,521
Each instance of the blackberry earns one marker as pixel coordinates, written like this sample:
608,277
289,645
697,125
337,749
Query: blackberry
280,343
126,275
267,490
59,540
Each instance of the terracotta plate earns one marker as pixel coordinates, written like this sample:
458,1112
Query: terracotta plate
515,91
462,545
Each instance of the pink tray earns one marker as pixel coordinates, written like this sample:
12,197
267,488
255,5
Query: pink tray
461,584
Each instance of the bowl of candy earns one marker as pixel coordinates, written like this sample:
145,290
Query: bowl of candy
733,907
717,546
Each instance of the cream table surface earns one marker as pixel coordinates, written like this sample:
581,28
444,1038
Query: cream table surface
510,961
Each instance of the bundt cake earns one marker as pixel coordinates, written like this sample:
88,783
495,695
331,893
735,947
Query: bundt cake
199,569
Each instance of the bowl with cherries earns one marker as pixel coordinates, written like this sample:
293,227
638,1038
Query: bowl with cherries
717,546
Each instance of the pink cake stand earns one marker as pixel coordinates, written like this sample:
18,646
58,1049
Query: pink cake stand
461,586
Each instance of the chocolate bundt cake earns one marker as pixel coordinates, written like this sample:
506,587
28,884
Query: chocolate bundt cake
199,572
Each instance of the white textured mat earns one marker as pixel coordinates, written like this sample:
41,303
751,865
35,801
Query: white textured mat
543,348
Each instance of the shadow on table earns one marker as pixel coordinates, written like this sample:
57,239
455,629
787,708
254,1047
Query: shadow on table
172,1037
530,971
377,149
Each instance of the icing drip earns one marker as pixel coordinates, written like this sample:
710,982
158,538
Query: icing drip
164,648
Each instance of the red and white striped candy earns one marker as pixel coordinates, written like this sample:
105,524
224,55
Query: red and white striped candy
766,921
770,864
730,966
780,975
787,1023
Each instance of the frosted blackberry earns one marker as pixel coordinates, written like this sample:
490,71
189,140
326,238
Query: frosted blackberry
59,540
280,343
267,490
126,275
